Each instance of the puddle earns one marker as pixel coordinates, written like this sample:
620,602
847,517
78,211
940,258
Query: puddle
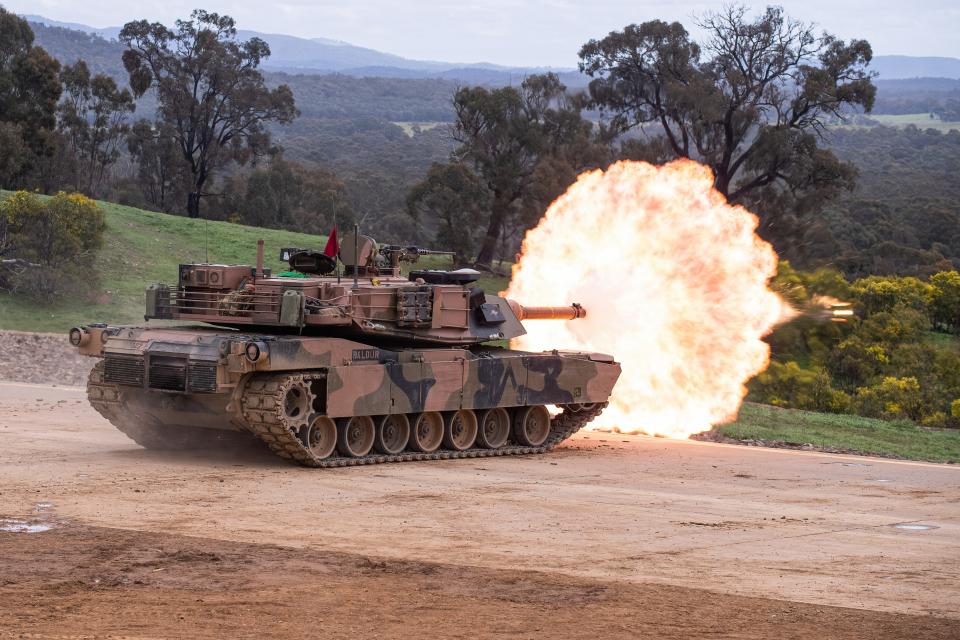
880,480
42,506
914,527
20,526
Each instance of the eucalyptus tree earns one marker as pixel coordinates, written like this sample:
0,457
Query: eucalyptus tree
210,91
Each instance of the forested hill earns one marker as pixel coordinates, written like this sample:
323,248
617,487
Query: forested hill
904,216
379,135
346,124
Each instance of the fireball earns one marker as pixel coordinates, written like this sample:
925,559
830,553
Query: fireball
675,283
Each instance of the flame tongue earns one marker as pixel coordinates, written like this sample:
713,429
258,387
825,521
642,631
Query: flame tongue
674,280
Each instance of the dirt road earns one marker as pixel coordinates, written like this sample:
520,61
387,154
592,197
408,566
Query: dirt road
609,536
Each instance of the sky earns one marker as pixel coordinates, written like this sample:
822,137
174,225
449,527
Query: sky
519,32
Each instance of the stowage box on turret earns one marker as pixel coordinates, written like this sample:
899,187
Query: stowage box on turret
357,367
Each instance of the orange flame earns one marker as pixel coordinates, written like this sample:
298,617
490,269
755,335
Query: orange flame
674,280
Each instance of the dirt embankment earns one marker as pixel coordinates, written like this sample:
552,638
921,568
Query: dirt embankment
41,358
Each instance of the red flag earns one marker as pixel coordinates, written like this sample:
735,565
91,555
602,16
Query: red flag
333,247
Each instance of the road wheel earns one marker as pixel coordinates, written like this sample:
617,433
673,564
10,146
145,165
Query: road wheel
494,428
427,432
460,430
321,437
531,425
393,433
355,436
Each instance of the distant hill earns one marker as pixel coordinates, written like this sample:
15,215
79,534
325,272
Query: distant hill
894,67
322,55
293,54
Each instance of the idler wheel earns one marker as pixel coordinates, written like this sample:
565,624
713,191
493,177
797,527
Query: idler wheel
460,430
427,432
355,436
297,400
531,425
321,437
393,433
494,428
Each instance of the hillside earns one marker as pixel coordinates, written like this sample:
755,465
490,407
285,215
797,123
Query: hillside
141,247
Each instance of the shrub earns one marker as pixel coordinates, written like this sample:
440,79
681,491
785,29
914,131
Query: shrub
936,420
54,240
789,385
891,398
882,293
944,300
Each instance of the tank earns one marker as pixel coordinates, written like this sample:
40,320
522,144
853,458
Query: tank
341,361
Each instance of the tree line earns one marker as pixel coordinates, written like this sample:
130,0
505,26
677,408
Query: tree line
896,358
752,101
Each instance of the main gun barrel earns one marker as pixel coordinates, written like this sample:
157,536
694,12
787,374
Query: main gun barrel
570,312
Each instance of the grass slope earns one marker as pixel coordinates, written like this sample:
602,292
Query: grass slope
901,439
142,247
920,120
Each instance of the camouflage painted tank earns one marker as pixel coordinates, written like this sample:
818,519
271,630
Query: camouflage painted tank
357,367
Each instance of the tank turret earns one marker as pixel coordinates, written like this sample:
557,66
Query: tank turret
369,298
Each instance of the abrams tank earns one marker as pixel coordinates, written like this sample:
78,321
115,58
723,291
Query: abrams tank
340,363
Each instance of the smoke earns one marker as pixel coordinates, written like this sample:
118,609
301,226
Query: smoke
674,281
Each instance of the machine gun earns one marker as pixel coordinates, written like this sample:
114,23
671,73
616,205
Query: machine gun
395,254
387,256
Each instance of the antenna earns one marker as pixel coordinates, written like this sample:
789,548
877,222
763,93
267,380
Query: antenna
206,233
336,258
356,255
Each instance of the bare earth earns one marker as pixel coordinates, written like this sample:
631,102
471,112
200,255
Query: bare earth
609,537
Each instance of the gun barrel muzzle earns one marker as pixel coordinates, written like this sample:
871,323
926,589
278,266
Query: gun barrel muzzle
570,312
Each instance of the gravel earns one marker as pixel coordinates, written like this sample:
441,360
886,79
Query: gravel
42,358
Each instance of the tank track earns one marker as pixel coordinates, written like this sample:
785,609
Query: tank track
262,403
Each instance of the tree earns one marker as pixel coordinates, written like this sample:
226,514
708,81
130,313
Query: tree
752,102
163,175
93,117
286,195
209,89
453,197
504,133
29,91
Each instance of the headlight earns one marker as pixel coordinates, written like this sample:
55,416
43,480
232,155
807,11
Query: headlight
76,336
254,351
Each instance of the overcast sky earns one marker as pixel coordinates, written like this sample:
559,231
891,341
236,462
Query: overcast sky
518,32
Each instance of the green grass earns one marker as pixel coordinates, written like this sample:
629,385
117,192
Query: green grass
142,247
901,438
920,120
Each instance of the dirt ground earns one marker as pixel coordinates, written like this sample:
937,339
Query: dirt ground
609,536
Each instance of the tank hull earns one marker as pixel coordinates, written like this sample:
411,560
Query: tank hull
291,392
